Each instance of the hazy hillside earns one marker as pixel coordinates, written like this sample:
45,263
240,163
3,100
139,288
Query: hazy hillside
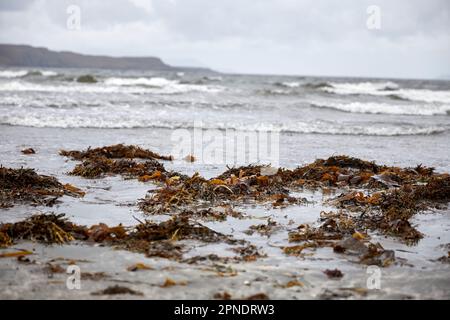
27,56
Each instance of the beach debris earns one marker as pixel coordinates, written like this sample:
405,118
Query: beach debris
264,229
222,296
15,254
150,238
26,186
117,151
170,283
46,228
293,283
163,249
119,159
93,276
190,158
334,274
51,268
215,214
243,184
258,296
28,151
115,290
139,266
445,259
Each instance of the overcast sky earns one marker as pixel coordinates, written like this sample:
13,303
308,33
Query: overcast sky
302,37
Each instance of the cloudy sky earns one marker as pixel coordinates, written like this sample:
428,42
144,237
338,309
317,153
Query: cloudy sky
302,37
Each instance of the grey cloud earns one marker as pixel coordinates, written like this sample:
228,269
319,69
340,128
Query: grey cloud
264,36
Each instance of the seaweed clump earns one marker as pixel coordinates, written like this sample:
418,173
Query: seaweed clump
390,210
150,238
116,151
26,186
243,184
45,228
118,159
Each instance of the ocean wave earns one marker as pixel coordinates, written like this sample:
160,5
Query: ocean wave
13,73
114,85
389,89
274,92
317,85
43,73
24,73
149,82
288,84
384,108
130,118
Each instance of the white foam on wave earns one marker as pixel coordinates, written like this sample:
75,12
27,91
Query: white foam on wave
23,73
388,89
13,73
150,82
111,85
47,73
125,116
292,84
162,84
385,108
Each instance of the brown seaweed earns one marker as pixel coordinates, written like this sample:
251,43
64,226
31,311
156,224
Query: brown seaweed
114,152
26,186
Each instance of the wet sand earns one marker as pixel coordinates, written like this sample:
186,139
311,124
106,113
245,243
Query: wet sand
415,274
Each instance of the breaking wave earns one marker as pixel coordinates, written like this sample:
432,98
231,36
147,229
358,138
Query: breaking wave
389,89
23,73
384,108
111,85
288,84
13,74
126,117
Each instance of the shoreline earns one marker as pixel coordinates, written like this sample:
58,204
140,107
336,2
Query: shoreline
275,274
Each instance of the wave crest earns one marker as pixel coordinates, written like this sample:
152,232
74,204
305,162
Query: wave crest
384,108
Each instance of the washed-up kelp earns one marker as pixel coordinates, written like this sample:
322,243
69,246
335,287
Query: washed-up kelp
119,159
235,185
153,239
341,171
390,210
387,196
101,166
45,228
340,234
26,186
118,151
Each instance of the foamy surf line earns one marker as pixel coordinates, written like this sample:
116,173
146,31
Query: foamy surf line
22,73
384,108
57,120
387,89
111,85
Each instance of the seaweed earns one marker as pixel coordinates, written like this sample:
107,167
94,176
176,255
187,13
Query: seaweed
249,185
119,159
176,228
101,166
46,228
117,151
264,229
26,186
28,151
334,274
114,290
217,214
